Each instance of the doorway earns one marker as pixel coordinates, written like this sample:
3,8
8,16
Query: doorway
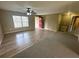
39,22
76,24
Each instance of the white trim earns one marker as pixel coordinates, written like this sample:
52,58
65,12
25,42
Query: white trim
14,31
51,29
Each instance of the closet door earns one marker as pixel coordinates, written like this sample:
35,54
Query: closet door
1,35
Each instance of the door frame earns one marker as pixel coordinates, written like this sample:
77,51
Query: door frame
74,18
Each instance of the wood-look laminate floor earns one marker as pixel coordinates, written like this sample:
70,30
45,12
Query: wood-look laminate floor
15,43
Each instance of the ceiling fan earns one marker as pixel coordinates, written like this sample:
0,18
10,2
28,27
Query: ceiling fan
30,11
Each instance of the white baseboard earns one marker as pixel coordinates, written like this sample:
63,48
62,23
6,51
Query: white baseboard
17,31
51,30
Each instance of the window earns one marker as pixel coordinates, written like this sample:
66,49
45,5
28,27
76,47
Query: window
20,21
25,21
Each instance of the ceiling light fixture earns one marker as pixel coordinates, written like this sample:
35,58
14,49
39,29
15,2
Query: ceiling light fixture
29,11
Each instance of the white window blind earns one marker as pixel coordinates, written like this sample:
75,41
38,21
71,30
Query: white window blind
20,21
25,21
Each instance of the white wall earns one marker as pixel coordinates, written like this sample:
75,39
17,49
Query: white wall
36,22
51,22
7,22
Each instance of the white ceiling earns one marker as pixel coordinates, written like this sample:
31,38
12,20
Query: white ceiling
40,7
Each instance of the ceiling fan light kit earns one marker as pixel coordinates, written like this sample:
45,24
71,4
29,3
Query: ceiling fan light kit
29,11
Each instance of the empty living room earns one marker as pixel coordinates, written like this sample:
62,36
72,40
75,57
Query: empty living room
39,29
